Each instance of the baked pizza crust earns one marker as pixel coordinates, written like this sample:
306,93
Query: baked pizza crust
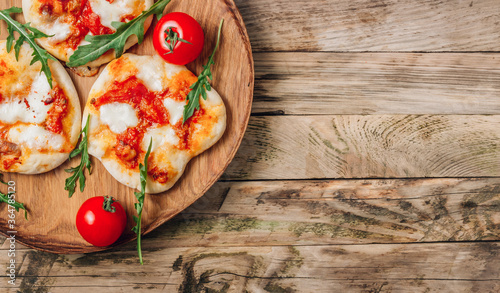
165,155
62,53
33,161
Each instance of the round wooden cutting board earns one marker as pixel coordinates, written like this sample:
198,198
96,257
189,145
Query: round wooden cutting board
51,218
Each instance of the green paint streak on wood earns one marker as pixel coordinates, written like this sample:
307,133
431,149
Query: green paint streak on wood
267,151
339,137
205,225
275,288
39,261
354,220
322,229
240,225
313,140
190,226
294,262
326,142
258,267
344,225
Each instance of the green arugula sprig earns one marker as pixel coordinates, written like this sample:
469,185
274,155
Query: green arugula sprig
2,181
143,170
79,171
100,44
16,205
172,39
201,86
26,34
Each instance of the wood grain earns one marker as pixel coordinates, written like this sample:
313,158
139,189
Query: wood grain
376,83
339,212
51,225
375,25
325,64
371,146
336,212
436,267
240,236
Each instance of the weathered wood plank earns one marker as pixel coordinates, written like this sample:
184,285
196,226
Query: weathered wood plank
450,267
259,233
377,25
377,83
340,211
264,213
373,146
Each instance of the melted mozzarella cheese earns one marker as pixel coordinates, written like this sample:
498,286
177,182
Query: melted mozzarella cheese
109,12
118,116
175,109
151,74
35,137
34,109
154,72
58,30
161,135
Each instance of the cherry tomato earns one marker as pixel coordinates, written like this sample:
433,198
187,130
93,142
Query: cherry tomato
180,32
101,220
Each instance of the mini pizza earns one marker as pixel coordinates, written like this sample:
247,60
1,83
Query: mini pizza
140,99
39,125
69,21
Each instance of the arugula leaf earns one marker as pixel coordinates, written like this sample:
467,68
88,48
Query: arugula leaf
5,198
1,180
16,205
143,170
100,44
79,171
26,34
201,86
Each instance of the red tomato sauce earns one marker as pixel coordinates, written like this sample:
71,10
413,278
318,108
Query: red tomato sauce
7,163
11,150
158,175
82,19
58,110
93,22
150,111
4,69
183,130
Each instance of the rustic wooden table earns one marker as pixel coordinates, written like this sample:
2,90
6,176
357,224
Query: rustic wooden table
371,164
